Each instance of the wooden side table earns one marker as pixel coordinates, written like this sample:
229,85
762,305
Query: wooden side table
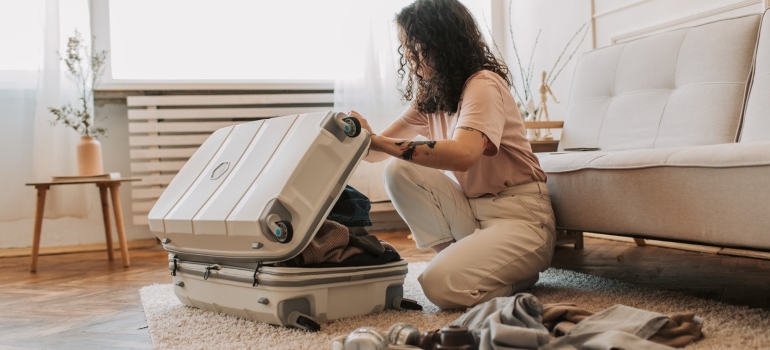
544,145
111,186
540,146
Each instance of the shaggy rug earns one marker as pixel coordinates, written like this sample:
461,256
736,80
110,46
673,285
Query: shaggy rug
173,325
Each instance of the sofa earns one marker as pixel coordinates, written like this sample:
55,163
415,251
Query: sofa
682,123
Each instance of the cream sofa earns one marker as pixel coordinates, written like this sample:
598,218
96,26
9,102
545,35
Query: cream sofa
682,120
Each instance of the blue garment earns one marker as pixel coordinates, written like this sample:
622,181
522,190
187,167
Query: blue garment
351,209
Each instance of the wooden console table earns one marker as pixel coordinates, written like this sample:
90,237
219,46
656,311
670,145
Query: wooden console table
113,186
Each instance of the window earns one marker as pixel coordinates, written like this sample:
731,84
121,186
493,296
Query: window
249,40
22,37
236,39
21,32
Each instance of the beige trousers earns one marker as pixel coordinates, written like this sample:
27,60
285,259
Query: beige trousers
501,240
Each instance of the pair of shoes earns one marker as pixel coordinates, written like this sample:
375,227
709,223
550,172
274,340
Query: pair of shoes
521,286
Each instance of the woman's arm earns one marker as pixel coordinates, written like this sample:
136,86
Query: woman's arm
458,154
395,130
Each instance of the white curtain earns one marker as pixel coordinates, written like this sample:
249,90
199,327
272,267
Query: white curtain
33,149
374,93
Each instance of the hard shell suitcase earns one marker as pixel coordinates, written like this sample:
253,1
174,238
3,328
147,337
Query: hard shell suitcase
254,194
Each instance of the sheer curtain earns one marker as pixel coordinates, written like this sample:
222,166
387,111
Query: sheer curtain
32,80
374,92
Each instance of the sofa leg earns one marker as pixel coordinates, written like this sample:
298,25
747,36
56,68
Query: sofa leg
569,237
640,242
578,239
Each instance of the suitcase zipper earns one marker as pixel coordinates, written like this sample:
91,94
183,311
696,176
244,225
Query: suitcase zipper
203,270
256,271
208,270
173,272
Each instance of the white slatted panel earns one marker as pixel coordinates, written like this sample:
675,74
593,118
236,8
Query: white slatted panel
166,130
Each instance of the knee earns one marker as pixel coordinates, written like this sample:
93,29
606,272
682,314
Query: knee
396,175
441,291
394,169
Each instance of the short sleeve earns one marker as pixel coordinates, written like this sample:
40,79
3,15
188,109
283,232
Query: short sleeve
482,109
415,121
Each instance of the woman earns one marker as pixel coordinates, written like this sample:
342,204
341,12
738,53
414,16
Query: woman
492,227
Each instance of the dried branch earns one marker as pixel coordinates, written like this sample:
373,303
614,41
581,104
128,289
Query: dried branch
525,85
84,67
585,29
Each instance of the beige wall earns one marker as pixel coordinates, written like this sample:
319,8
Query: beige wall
622,20
558,20
614,21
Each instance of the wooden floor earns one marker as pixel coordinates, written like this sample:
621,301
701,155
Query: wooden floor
82,301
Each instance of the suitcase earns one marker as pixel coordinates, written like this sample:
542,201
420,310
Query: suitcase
255,194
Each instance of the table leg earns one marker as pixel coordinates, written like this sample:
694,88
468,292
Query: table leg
41,192
106,216
118,212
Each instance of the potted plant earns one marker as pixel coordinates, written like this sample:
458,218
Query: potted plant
85,67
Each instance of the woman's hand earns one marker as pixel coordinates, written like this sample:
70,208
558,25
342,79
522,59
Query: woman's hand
374,146
364,122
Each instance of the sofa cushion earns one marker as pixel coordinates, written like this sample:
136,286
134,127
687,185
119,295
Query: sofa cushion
681,88
729,155
714,194
756,121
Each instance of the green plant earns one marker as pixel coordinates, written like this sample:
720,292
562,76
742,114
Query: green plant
85,67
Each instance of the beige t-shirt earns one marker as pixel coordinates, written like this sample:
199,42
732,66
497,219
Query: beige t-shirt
486,105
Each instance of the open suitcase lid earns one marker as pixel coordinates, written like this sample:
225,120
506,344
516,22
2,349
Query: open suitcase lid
259,191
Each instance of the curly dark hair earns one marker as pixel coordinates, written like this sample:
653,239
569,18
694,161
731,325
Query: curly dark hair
442,36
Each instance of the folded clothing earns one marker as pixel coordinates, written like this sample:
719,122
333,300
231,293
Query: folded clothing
351,209
521,322
335,245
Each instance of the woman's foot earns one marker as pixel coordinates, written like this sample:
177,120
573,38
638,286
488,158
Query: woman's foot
521,286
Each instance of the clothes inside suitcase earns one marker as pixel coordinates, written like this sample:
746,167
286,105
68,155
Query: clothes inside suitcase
255,194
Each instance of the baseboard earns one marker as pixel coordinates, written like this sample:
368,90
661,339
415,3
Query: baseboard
687,246
82,248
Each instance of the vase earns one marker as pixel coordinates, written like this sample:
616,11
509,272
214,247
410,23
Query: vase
89,156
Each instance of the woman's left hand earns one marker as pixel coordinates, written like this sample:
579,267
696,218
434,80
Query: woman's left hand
363,121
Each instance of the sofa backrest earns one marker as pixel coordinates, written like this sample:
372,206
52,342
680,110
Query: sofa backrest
756,120
685,87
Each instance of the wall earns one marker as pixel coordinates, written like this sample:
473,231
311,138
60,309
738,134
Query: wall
618,21
558,20
613,21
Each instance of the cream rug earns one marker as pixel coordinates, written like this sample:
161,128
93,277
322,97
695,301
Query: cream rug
175,326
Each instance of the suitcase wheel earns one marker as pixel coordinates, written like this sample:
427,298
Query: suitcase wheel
284,232
406,304
308,323
352,127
